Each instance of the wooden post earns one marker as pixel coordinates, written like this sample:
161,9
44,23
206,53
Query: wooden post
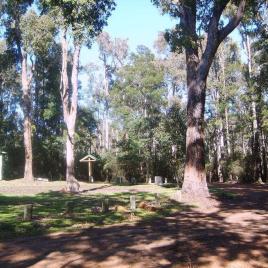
157,199
69,207
89,169
1,166
132,203
90,177
105,205
28,212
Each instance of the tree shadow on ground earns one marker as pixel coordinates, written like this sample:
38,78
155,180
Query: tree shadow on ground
236,233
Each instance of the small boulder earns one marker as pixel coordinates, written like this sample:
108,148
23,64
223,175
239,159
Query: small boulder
121,209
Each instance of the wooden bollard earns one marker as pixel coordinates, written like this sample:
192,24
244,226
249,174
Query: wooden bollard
69,207
105,205
132,203
28,212
157,199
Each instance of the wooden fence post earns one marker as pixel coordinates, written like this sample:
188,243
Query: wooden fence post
28,212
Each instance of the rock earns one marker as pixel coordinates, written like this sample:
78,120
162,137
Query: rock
158,180
121,209
142,204
148,206
42,179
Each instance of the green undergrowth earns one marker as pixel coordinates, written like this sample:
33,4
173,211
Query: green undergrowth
49,212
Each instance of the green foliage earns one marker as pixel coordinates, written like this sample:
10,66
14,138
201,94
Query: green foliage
37,32
148,127
85,17
182,37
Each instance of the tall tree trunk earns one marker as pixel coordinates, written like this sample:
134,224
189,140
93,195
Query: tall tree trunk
226,115
227,128
264,157
220,149
106,112
256,128
27,124
194,184
69,103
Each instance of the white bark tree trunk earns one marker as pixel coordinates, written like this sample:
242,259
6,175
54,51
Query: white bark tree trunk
27,124
256,133
69,103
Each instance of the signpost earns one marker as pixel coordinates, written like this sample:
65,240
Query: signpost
89,159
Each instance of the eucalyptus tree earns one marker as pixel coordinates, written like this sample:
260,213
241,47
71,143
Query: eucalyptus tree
197,18
173,64
28,34
137,100
112,53
81,20
224,82
10,122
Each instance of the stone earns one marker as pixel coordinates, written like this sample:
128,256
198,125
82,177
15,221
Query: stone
158,180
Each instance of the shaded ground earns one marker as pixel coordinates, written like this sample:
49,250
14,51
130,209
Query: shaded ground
235,235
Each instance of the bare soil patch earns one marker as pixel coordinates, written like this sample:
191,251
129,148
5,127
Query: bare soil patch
235,235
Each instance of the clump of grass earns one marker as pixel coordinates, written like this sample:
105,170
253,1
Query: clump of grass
222,194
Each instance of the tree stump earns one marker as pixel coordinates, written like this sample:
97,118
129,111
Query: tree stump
28,212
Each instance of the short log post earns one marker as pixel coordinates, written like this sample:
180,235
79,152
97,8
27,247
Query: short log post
157,200
105,205
132,203
69,207
28,212
132,206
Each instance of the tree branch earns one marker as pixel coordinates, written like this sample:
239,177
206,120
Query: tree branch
216,36
234,21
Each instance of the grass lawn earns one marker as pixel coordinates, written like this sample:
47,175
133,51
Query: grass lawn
49,212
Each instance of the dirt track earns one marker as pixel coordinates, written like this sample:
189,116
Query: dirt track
233,236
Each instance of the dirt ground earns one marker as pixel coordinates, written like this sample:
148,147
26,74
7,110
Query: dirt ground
26,187
233,235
